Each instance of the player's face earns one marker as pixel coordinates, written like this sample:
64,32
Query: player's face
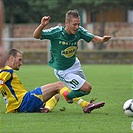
17,61
72,26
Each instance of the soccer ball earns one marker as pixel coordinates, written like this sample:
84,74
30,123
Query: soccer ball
128,108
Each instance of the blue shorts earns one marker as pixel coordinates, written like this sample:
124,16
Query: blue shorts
31,101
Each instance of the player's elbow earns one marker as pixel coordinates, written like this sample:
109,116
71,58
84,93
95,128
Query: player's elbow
37,36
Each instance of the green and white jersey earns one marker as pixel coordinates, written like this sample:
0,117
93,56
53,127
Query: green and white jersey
64,46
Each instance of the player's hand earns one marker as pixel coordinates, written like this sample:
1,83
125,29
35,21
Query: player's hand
106,38
45,20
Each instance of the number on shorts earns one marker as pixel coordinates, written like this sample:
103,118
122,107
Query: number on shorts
74,82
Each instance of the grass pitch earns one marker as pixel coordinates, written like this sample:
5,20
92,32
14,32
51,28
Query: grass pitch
111,83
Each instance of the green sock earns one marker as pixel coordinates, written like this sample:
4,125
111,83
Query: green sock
77,93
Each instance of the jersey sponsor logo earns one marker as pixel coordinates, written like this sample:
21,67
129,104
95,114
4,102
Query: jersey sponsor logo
63,43
68,43
69,52
1,82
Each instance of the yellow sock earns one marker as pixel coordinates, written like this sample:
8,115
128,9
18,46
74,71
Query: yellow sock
77,100
51,103
64,89
80,102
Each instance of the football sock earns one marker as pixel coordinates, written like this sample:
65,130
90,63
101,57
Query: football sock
51,103
80,102
76,93
64,89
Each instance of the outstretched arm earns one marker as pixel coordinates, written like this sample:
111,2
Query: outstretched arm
38,30
98,39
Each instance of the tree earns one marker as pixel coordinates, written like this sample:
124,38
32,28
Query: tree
102,6
31,11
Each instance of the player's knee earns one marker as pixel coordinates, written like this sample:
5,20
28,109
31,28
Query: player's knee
87,88
59,86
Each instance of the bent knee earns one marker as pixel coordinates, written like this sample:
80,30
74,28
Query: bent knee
60,85
86,88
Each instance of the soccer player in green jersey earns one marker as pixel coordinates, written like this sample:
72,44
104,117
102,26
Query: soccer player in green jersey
16,97
67,67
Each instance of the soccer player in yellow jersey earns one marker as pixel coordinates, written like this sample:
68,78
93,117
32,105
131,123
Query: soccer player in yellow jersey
16,97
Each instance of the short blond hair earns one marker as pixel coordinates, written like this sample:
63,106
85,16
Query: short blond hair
71,14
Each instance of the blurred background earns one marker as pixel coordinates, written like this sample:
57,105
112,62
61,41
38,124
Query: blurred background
100,17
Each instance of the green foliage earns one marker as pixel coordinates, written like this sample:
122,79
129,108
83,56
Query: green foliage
16,10
111,83
31,11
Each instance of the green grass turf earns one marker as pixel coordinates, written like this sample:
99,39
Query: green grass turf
111,83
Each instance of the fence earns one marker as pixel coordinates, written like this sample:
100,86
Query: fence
116,51
24,44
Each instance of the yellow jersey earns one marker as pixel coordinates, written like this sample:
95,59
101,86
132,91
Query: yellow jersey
11,89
